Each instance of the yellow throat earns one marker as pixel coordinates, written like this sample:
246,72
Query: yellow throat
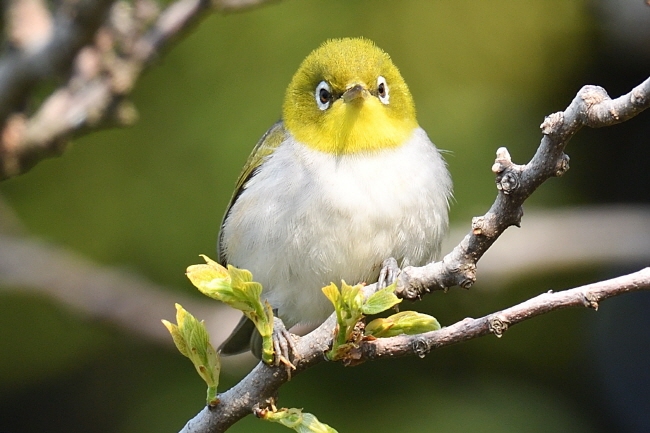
348,97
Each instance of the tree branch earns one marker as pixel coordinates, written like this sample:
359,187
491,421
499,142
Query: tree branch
100,47
497,323
112,295
515,183
73,26
263,382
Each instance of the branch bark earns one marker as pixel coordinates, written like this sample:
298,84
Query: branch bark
515,183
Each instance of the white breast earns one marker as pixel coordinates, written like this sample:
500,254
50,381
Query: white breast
308,218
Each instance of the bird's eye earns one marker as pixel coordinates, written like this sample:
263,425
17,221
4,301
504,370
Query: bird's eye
323,95
382,90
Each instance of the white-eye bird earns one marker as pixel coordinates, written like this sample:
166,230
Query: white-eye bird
346,180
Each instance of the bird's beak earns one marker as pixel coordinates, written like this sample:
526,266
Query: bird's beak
355,92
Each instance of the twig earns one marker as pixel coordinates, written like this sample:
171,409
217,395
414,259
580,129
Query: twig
611,235
497,323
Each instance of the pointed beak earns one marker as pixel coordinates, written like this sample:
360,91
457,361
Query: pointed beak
355,92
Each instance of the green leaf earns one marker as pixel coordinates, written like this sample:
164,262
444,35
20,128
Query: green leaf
208,276
404,322
192,340
333,294
236,288
239,276
381,300
177,337
211,279
297,420
347,302
352,301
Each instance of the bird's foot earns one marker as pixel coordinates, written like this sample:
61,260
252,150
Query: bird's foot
283,346
388,274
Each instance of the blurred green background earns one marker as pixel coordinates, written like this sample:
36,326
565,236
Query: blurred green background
149,199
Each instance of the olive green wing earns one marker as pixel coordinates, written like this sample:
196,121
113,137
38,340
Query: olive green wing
242,339
245,336
265,147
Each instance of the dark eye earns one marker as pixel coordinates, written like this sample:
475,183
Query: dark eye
382,90
323,95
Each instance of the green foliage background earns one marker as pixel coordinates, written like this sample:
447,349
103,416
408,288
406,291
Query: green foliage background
150,199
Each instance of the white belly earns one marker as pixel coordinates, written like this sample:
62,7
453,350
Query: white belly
308,218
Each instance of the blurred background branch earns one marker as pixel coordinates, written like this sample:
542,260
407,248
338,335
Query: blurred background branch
98,49
136,305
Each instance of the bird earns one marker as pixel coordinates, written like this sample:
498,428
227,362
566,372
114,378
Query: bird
345,183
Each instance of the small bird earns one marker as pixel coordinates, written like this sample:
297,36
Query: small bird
346,180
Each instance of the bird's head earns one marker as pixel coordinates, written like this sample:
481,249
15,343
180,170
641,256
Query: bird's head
348,97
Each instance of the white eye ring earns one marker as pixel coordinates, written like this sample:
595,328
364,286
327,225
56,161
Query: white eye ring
323,95
382,90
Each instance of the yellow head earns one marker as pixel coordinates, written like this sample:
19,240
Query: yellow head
348,97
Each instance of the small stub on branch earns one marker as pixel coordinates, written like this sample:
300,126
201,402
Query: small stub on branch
552,123
502,161
497,325
420,347
562,165
508,182
478,223
485,225
638,97
593,95
590,301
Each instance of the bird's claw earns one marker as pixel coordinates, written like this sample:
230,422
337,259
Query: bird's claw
283,346
388,274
